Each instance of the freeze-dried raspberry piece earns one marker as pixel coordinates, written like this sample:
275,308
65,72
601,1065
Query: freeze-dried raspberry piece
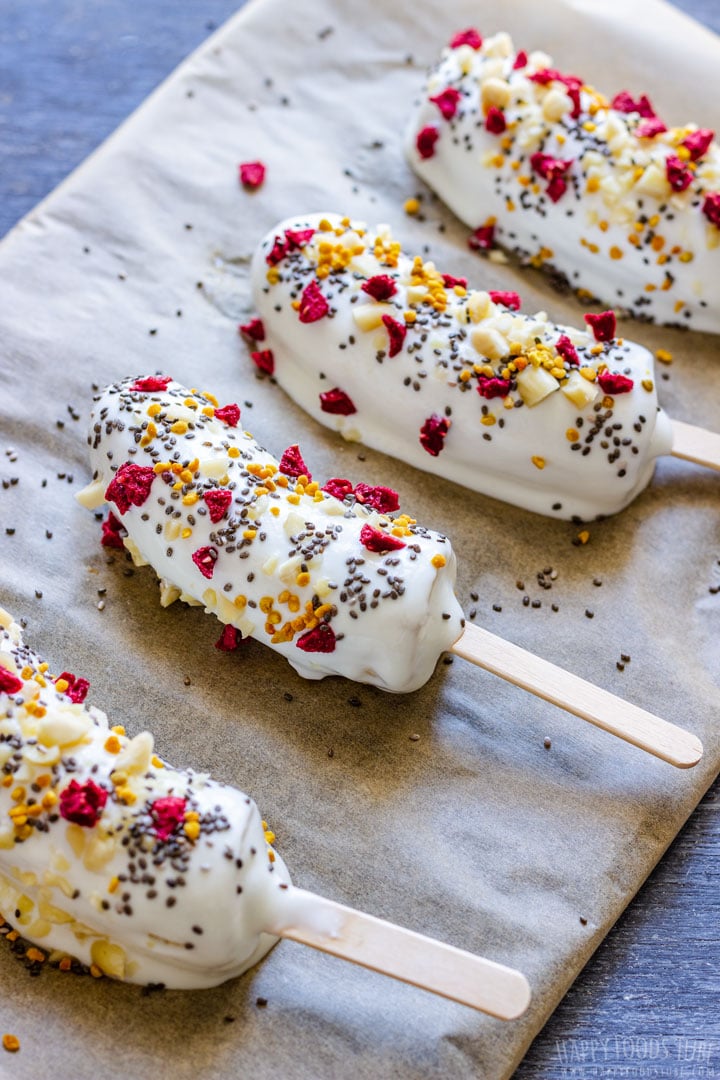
425,141
278,251
433,432
679,176
612,382
251,173
495,121
292,464
571,83
298,238
556,188
130,486
112,532
76,688
520,60
205,559
82,804
450,282
338,487
319,639
380,287
151,383
383,499
490,386
567,350
337,402
469,37
9,683
508,299
264,360
553,170
378,541
602,325
711,208
697,142
229,640
625,103
313,305
230,414
447,101
396,334
483,238
217,501
167,813
253,330
648,129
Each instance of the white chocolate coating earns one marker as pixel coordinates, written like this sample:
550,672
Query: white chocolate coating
285,563
187,910
578,452
619,232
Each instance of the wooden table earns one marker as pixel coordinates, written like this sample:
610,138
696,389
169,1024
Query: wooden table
647,1005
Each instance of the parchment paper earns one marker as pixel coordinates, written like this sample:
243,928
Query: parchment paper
474,832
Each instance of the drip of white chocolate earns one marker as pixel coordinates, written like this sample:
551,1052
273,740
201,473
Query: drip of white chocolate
617,229
522,400
336,587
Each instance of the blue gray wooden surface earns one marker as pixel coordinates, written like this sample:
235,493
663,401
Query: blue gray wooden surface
647,1006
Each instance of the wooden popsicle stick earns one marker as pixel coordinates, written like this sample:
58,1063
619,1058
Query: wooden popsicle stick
696,444
402,954
607,711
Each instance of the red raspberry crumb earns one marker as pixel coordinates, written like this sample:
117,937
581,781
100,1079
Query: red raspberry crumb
520,60
553,170
425,141
112,532
338,487
9,683
469,37
229,640
320,639
264,360
697,142
167,813
337,402
378,541
571,83
130,486
230,414
625,103
450,282
602,325
495,121
383,499
292,464
679,176
217,501
380,287
151,384
298,238
447,101
711,208
612,382
82,804
433,432
278,251
313,305
252,174
508,299
205,559
396,334
253,330
489,386
483,238
77,688
648,129
567,350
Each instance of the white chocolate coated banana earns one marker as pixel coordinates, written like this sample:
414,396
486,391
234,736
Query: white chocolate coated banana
460,383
